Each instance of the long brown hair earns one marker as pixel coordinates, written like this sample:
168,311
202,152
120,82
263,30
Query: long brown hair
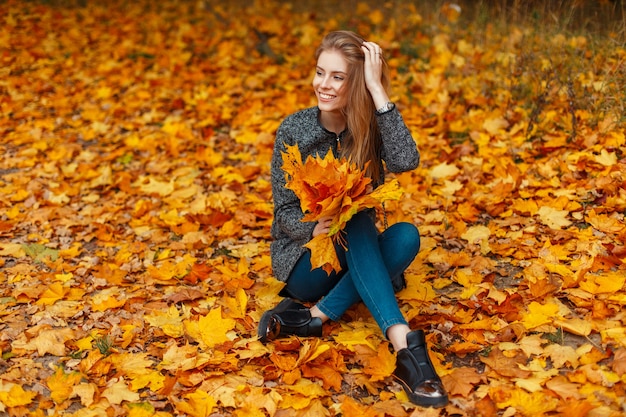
362,142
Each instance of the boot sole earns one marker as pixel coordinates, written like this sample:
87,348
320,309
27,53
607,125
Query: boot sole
422,401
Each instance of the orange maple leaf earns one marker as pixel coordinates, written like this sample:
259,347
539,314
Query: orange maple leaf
382,365
331,187
461,381
351,408
198,272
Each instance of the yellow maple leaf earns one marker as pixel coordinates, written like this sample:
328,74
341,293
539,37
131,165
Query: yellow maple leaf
180,358
530,404
530,345
307,388
86,393
106,299
444,170
61,384
257,398
12,249
211,329
15,396
85,343
117,392
131,364
64,277
575,326
608,282
48,341
562,355
323,253
605,223
197,404
55,291
350,338
553,218
143,409
606,158
169,321
478,235
153,379
524,206
154,186
539,314
130,330
169,269
418,290
237,305
311,350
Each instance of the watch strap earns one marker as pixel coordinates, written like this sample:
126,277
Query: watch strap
386,108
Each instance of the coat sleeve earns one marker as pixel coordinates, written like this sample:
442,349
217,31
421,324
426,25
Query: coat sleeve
399,150
287,212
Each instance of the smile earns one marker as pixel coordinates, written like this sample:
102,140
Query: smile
326,96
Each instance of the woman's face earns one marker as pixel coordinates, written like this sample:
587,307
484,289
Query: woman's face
330,81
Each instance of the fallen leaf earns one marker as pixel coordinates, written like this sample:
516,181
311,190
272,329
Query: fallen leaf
117,392
61,384
506,365
553,218
462,381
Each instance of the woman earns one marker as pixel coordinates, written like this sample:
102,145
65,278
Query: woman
355,119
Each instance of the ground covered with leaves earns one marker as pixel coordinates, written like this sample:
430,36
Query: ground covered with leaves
135,207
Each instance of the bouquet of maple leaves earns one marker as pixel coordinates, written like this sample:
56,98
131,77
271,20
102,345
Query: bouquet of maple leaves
331,187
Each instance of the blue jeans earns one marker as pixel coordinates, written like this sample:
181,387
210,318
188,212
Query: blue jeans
368,265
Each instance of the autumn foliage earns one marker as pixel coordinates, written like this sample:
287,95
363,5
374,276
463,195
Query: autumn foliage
135,206
336,188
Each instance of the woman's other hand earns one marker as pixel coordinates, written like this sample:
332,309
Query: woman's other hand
322,226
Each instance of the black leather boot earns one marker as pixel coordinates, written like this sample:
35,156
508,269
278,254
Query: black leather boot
416,373
288,318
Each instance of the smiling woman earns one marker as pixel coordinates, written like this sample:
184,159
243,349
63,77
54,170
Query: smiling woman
329,84
353,119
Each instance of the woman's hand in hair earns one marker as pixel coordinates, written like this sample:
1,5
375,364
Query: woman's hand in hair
373,72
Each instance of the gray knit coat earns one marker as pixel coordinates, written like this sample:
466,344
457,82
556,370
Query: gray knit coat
289,233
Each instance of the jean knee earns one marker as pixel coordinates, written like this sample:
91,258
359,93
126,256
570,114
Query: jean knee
410,236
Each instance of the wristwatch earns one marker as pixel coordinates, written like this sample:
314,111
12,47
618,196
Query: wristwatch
387,107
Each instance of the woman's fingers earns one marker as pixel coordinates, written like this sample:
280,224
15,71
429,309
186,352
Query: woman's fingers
373,50
322,226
